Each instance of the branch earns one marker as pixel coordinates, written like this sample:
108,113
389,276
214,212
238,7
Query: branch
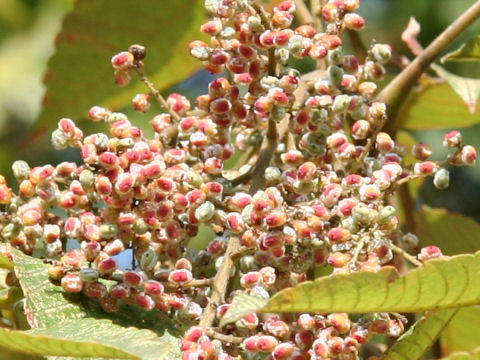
220,283
394,94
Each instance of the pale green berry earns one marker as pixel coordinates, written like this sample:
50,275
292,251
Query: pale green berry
335,75
59,140
205,211
386,214
87,179
441,179
21,170
148,260
88,274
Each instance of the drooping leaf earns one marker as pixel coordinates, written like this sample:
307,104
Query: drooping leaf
467,88
469,51
80,75
421,336
474,355
453,233
462,333
436,106
439,284
10,296
47,305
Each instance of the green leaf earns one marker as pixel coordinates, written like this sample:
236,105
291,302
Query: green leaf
462,333
50,342
80,75
47,306
467,88
436,106
469,51
421,336
474,355
451,232
439,284
5,262
10,296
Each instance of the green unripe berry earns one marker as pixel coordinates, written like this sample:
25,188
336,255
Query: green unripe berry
441,179
87,179
335,74
386,214
140,227
205,211
88,274
148,260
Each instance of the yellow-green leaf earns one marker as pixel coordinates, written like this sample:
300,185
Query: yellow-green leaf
436,106
453,233
467,88
474,355
469,51
242,304
80,75
462,333
439,284
420,337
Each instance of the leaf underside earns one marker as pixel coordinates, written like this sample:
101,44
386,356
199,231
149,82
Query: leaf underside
70,321
469,51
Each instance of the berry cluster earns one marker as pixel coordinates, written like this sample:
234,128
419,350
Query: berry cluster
312,188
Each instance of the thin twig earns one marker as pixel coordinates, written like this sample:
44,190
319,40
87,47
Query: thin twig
316,9
412,259
302,13
225,338
163,103
394,94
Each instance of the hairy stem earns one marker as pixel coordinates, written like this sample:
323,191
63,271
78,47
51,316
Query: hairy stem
156,93
394,94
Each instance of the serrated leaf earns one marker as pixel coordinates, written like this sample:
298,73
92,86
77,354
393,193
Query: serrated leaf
439,284
469,51
453,233
47,305
10,296
80,75
41,344
462,333
436,106
242,304
421,336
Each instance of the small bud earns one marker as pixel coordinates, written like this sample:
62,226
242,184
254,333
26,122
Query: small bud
468,155
72,283
335,75
88,275
452,139
141,102
138,51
